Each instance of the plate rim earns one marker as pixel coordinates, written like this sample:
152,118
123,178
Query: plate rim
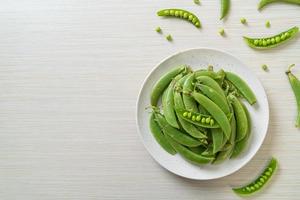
244,163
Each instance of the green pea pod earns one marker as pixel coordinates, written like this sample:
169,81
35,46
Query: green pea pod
263,3
198,150
197,119
168,103
215,111
159,136
188,154
189,102
242,86
241,118
217,139
174,133
219,99
211,74
163,82
205,80
188,127
259,183
225,4
295,84
242,145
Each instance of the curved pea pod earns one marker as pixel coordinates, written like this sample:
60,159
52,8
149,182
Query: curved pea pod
215,112
241,118
211,74
198,150
242,145
174,133
179,84
189,102
180,13
188,127
242,86
198,119
168,103
217,139
188,154
259,183
295,84
217,98
225,4
163,83
211,83
159,136
263,3
264,43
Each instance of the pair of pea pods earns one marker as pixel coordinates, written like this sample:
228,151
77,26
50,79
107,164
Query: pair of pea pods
203,118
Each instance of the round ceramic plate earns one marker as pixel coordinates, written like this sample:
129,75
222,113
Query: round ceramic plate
199,59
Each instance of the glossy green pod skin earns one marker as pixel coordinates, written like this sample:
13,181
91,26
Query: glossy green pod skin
168,103
259,183
163,83
198,150
189,102
217,138
242,86
187,126
295,84
176,134
188,154
271,41
219,116
219,99
197,118
241,118
204,72
225,4
180,13
240,146
205,80
263,3
159,136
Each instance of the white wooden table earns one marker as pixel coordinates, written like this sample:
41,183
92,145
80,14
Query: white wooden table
70,72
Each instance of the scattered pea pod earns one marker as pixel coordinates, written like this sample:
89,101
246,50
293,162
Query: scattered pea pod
260,181
242,86
263,3
224,8
163,82
295,84
159,136
272,41
180,13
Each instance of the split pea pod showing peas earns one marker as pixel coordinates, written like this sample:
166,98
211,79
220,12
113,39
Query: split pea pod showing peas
159,136
272,41
188,154
242,86
180,13
176,134
215,111
263,3
260,181
225,4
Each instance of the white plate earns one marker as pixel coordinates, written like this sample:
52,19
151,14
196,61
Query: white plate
201,58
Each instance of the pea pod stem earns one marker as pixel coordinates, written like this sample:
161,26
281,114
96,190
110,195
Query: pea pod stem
295,84
263,3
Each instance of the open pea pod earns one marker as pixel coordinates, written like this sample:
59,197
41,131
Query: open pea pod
198,119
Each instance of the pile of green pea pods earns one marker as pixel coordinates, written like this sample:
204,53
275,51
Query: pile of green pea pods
201,116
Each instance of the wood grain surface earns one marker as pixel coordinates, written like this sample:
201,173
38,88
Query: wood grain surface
70,73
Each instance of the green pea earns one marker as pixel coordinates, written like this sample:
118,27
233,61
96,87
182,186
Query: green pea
256,185
222,31
256,42
189,115
268,24
243,20
197,2
282,37
287,34
166,12
212,122
264,43
191,17
248,189
261,179
172,12
265,177
197,24
169,37
203,120
185,15
260,42
270,169
181,13
176,13
193,118
158,29
277,39
268,173
268,41
194,20
207,120
185,114
252,187
264,67
273,41
198,118
260,183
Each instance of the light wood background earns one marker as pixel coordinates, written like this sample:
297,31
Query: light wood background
70,73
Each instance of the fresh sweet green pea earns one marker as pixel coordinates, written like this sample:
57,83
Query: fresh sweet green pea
243,20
